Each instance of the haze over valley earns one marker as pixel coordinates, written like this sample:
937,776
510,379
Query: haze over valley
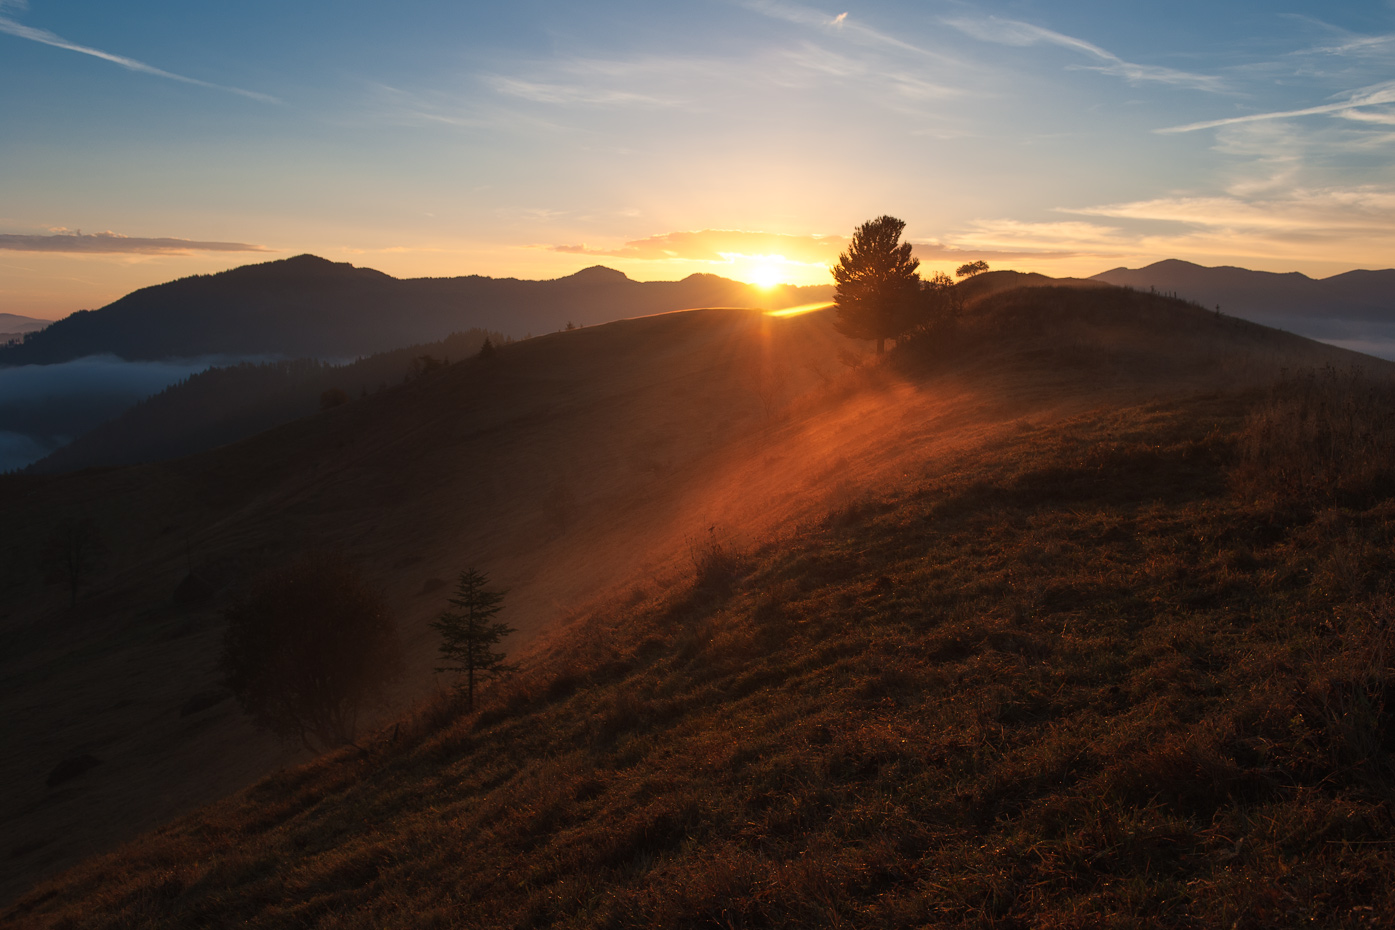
740,464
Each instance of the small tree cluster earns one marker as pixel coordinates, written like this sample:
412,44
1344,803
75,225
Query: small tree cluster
880,294
307,646
469,632
877,284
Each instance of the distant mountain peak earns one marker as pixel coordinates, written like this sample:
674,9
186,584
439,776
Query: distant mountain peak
307,260
1175,265
597,274
305,267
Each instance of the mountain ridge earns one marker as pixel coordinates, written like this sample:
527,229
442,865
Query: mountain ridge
312,307
1360,294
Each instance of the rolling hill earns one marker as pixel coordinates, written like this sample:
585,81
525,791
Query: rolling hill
309,307
14,327
1049,618
223,404
1352,308
1354,295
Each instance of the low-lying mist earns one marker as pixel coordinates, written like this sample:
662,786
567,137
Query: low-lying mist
43,407
1370,337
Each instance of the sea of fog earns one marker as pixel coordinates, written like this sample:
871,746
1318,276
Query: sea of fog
1372,337
44,406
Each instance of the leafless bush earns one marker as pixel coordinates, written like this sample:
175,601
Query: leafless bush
715,564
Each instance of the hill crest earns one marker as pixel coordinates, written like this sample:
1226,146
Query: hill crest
307,306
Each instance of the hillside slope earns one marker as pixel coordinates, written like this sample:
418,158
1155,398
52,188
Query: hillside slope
1355,295
307,306
562,467
1356,308
956,481
223,404
1072,680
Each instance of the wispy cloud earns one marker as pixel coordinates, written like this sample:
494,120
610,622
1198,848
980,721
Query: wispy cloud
1355,45
44,37
726,245
574,94
1047,239
1359,211
935,251
914,73
1375,95
1016,33
844,25
716,245
113,242
1339,226
406,107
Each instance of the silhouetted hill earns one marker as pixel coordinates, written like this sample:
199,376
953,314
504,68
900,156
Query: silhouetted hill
988,283
1268,296
1001,629
14,327
226,403
309,307
14,323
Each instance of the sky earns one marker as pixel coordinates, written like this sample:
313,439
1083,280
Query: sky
145,141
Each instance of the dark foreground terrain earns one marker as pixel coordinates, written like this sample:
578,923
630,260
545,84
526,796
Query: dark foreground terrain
1077,615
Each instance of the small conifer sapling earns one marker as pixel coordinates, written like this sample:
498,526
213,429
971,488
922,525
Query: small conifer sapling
469,632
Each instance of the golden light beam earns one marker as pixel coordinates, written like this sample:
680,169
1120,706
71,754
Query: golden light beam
802,308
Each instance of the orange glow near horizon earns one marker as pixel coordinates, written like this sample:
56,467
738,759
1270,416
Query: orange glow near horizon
767,271
801,309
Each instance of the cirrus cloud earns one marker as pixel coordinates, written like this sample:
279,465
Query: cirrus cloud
713,245
719,245
44,37
114,242
1016,33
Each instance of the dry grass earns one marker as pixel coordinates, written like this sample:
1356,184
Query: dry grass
1088,677
560,471
1322,436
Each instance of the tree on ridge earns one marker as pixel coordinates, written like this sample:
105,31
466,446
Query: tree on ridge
878,288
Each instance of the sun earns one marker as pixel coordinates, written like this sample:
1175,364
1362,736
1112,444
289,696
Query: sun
766,275
764,271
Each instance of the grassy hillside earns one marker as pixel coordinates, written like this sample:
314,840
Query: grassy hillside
572,462
1056,619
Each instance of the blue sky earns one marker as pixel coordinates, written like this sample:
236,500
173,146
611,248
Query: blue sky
743,138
